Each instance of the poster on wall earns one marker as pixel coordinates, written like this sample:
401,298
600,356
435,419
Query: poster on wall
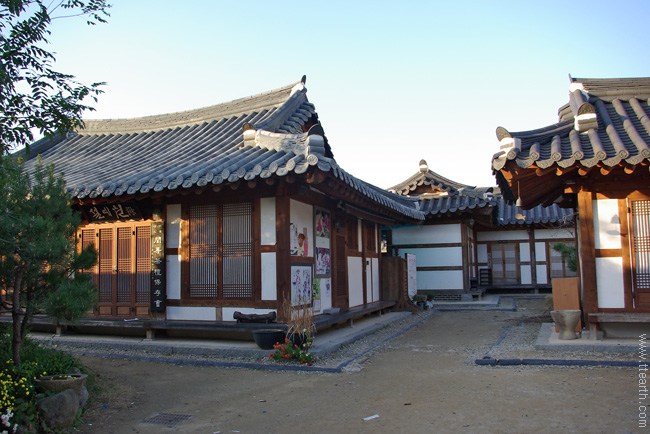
321,291
322,223
323,262
301,284
299,241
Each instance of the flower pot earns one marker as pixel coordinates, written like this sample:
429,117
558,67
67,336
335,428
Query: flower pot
298,339
266,338
59,383
566,322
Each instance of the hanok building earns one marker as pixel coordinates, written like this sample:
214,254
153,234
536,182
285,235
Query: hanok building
473,240
231,208
595,159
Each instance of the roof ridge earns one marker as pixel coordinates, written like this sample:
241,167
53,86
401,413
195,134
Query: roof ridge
275,97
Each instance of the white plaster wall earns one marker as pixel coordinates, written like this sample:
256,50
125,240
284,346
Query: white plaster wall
554,233
269,276
173,277
440,256
482,253
355,281
227,312
502,235
541,275
427,234
524,252
443,279
607,224
526,276
375,279
192,313
173,223
267,214
609,275
540,251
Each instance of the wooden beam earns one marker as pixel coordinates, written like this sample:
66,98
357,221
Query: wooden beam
626,253
544,172
270,181
282,255
587,252
316,177
561,171
584,171
217,188
252,183
629,168
606,170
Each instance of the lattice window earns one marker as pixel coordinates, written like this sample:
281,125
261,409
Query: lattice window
88,238
124,261
204,251
641,223
106,265
220,246
237,251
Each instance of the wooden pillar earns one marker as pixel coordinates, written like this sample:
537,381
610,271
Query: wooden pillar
533,258
626,252
587,253
283,260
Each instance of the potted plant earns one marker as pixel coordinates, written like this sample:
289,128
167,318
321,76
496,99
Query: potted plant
419,300
300,321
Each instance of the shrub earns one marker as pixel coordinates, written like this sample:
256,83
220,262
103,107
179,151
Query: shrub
18,395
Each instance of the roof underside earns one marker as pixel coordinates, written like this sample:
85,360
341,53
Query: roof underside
118,157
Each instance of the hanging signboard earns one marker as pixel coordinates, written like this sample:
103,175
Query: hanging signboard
158,291
112,212
411,267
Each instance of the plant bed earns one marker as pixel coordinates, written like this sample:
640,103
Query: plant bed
59,383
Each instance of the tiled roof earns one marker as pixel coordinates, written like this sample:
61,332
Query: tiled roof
427,177
458,198
255,137
441,205
605,123
509,214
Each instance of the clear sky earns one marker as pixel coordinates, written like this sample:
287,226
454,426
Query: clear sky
392,82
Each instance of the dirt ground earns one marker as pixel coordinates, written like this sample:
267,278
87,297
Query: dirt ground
421,382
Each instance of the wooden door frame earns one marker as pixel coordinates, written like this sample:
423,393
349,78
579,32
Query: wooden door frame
134,308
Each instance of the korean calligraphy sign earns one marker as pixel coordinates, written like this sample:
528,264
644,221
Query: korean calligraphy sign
158,286
112,212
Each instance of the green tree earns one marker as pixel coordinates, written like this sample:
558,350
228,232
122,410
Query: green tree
40,267
35,97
